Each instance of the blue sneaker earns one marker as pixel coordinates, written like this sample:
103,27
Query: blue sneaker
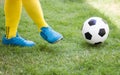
51,36
17,41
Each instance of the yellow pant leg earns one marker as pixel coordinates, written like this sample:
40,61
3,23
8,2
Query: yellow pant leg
12,16
33,8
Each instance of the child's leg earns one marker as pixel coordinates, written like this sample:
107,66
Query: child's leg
34,10
12,15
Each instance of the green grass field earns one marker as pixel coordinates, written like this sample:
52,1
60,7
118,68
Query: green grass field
71,56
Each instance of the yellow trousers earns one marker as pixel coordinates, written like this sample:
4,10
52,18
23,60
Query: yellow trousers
13,10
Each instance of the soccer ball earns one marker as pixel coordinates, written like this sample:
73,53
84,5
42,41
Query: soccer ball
95,30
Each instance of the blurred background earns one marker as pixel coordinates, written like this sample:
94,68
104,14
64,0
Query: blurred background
1,3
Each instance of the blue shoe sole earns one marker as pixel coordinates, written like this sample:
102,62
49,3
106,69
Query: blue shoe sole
17,41
61,38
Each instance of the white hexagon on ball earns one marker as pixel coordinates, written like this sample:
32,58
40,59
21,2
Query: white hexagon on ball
95,30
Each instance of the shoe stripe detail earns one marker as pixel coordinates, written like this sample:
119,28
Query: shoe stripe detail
7,31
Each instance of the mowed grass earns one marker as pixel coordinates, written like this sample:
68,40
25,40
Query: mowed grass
72,55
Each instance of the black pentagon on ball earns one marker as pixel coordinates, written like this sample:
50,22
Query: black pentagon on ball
98,43
102,32
92,22
88,36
